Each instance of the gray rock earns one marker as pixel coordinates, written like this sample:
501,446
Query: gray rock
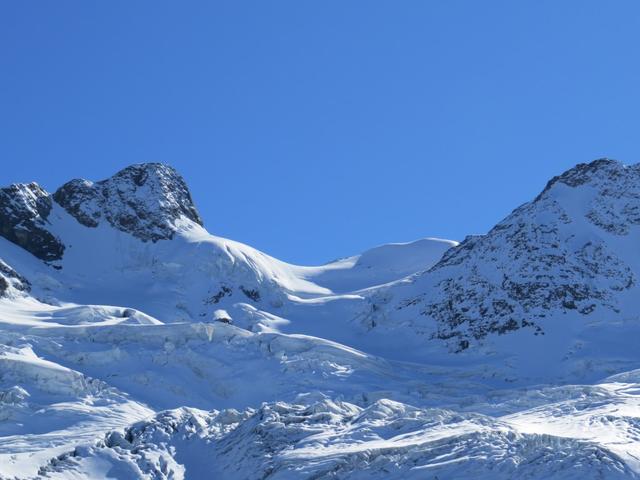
10,278
144,200
24,209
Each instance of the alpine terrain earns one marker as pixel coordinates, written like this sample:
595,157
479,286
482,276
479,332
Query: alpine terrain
134,344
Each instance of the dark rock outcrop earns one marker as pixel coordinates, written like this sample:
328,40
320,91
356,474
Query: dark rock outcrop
145,200
24,209
9,278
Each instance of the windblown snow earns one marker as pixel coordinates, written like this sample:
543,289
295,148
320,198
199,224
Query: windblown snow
136,345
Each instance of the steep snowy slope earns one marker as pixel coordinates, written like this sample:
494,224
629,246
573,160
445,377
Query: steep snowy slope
378,266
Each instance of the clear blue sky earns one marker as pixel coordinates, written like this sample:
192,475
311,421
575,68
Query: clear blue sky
314,130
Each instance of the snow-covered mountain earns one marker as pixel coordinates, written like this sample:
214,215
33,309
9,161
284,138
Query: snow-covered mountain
560,274
135,344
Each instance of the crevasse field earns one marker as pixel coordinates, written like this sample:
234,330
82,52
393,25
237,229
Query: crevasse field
135,344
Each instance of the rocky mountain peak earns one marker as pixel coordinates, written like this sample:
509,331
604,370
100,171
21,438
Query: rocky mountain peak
145,200
549,257
602,168
610,193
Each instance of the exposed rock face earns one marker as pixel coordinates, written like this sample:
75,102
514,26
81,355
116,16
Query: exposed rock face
10,279
615,202
145,200
548,257
24,209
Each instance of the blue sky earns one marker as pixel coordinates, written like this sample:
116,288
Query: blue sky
314,130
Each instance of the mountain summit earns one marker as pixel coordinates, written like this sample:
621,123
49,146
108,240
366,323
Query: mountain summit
145,200
553,263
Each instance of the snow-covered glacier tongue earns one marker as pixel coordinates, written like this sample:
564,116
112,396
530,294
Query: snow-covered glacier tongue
134,344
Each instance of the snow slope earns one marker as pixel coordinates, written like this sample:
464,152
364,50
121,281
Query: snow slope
378,266
134,344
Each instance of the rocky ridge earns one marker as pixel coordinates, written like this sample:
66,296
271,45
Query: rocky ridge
145,200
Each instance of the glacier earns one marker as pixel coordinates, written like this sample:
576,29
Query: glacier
135,344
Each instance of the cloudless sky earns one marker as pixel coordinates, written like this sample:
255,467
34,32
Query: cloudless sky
316,129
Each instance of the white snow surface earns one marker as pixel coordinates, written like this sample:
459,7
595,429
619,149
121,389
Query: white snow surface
510,355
